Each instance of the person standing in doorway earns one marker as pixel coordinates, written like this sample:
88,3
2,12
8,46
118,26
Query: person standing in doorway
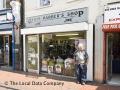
81,58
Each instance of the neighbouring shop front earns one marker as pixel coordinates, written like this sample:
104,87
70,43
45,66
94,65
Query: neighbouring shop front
50,49
111,29
6,26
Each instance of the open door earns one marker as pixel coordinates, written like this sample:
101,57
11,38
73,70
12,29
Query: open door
109,56
7,50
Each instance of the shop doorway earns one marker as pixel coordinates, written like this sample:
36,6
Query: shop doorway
6,50
113,58
33,53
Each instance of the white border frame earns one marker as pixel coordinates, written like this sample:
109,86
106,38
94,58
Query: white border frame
66,28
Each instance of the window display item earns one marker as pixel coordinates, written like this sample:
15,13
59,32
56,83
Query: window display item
69,67
58,68
69,62
59,59
50,69
44,65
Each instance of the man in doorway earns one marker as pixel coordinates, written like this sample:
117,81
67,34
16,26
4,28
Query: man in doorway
81,58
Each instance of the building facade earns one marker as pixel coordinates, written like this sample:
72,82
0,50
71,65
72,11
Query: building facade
106,43
9,56
95,38
6,27
53,30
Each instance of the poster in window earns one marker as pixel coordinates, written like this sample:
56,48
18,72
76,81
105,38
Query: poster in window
50,69
58,68
81,41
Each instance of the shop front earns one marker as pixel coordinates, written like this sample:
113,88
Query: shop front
6,27
111,29
50,49
6,50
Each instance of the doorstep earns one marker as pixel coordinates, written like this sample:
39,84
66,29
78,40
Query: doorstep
114,83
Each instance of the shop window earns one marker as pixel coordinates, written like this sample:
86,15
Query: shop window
58,52
45,2
32,52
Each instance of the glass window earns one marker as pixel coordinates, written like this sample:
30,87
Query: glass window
7,4
58,52
45,2
32,52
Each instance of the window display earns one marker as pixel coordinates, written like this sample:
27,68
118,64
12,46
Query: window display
59,51
69,64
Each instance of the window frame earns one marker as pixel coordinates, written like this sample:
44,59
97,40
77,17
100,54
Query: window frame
44,6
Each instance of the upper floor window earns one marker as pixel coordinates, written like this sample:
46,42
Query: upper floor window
7,3
45,2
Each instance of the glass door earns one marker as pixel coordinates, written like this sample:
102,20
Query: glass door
6,50
109,58
32,53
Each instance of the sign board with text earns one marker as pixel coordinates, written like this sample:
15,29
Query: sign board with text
58,18
6,20
112,14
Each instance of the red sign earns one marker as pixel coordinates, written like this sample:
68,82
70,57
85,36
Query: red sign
111,27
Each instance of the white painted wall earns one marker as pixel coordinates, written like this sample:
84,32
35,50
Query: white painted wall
90,52
1,4
56,28
96,7
98,50
33,9
102,3
24,53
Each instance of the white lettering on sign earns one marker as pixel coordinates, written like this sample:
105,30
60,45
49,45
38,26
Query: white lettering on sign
58,18
111,26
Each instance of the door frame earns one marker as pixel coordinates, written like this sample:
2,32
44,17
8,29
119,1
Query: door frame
105,68
108,63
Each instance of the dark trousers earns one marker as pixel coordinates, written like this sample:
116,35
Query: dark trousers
81,71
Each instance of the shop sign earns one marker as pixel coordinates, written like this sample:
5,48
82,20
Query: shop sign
112,14
64,17
111,26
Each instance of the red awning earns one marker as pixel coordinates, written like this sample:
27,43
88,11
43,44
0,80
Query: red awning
111,27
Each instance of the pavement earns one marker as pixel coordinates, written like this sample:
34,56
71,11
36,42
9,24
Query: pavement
25,81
